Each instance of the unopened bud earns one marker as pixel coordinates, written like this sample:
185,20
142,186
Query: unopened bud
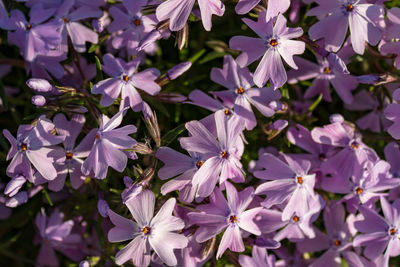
38,100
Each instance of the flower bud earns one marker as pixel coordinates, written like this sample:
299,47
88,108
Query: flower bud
14,185
38,100
39,85
17,200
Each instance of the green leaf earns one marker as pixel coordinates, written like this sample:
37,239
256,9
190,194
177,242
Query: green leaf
99,73
3,96
93,48
46,195
196,56
211,56
315,104
172,135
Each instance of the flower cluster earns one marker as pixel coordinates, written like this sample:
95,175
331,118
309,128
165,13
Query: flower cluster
294,158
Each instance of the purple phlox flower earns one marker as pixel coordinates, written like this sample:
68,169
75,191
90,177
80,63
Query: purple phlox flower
324,75
103,208
375,119
73,159
108,144
259,258
74,77
239,81
67,19
223,155
301,137
291,183
124,80
91,3
17,200
392,155
14,185
55,234
293,259
5,22
274,42
183,168
365,185
300,227
174,72
230,216
380,235
178,11
34,145
352,151
147,231
361,18
392,24
34,38
132,189
392,113
335,241
100,24
274,7
131,25
43,66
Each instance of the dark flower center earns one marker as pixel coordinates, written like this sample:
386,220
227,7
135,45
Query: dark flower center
349,7
29,26
24,147
354,145
227,112
327,70
125,78
66,20
199,163
336,242
300,180
359,190
98,136
392,231
46,241
146,230
322,156
224,154
69,155
136,22
273,42
295,218
233,219
240,91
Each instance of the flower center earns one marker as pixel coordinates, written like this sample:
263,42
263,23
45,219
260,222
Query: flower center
273,42
359,190
66,20
327,70
29,26
46,241
349,7
354,145
300,180
199,163
233,219
240,91
295,218
322,156
227,112
98,136
392,231
136,22
24,147
336,242
224,154
69,155
125,78
146,230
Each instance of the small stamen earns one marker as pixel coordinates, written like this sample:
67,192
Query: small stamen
392,231
349,7
233,219
240,91
295,218
227,112
146,230
273,42
136,22
98,136
300,180
199,163
29,26
354,145
125,78
69,155
224,154
321,156
24,147
327,70
336,243
359,190
66,20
